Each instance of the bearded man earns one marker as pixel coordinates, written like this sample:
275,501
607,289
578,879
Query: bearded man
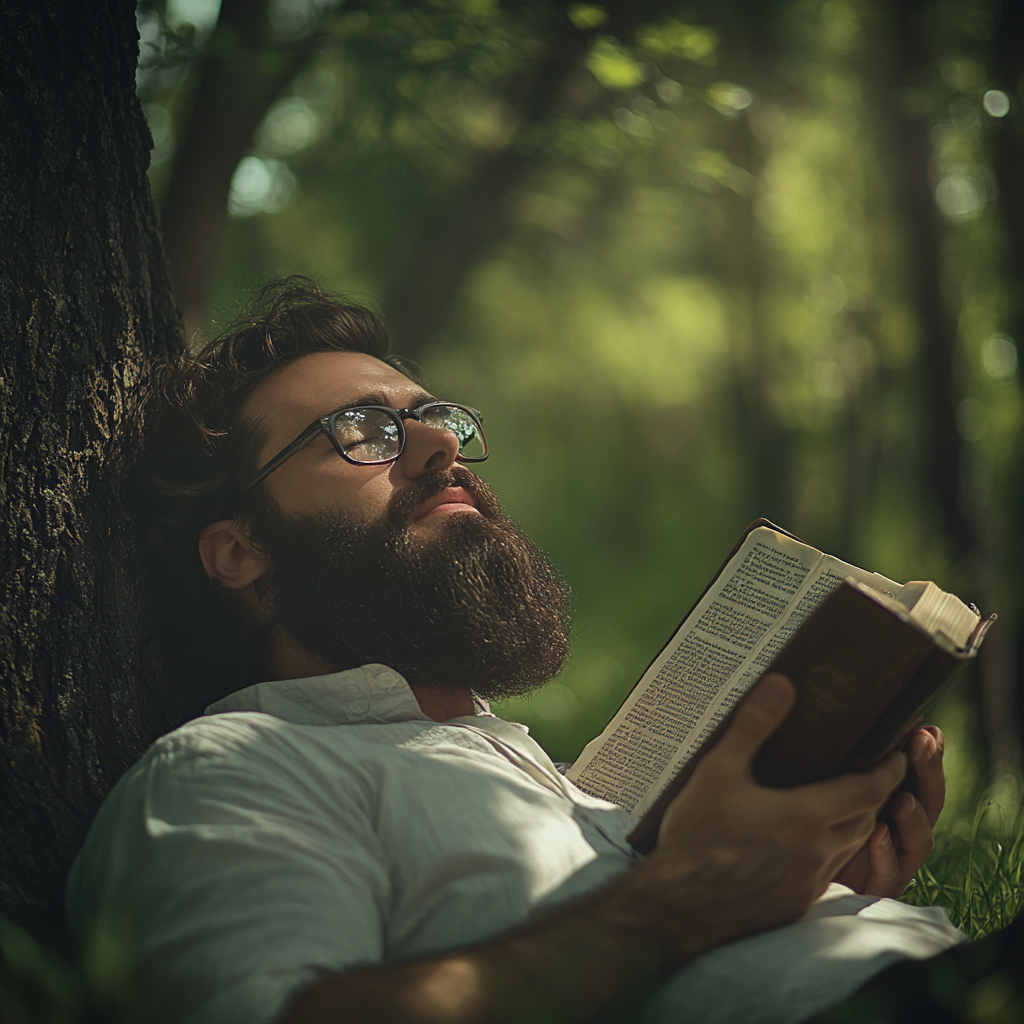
347,833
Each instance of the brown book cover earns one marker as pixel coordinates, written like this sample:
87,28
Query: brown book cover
864,673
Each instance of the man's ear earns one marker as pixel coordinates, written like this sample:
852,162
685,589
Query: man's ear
229,555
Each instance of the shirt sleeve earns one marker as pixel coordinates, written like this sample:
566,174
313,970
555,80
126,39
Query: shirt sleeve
246,867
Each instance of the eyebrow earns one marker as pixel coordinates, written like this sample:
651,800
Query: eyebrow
379,398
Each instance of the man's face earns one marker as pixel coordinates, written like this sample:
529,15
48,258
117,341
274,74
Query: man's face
413,563
316,478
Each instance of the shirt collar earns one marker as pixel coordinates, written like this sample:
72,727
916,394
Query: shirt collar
370,694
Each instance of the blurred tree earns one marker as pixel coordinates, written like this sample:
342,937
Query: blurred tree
1008,74
525,59
245,67
957,477
915,64
84,292
766,440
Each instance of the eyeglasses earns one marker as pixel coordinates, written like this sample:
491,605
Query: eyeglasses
368,435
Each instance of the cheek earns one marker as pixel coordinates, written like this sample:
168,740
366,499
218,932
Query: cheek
363,493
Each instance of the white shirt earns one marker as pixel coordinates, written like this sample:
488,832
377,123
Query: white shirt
324,824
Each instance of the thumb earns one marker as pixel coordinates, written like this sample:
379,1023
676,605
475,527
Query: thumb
756,718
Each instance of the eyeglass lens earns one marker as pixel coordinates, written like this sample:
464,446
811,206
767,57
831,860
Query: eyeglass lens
371,435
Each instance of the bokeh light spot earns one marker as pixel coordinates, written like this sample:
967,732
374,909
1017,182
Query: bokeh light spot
613,67
668,90
957,196
260,186
996,103
290,125
999,357
729,99
587,16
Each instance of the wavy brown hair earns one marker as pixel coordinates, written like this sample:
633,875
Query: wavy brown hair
196,454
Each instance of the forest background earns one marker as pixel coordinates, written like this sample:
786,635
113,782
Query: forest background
696,262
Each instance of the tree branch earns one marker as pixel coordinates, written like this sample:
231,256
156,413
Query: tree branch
242,74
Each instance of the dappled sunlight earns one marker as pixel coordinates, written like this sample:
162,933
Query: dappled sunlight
697,301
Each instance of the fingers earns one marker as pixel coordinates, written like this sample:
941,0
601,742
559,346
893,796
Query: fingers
852,795
915,831
888,774
925,751
890,869
884,876
757,716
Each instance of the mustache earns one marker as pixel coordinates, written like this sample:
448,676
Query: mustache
403,505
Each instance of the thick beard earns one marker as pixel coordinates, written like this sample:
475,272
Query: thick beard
472,604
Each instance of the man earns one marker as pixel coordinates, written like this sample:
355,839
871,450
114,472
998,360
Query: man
347,834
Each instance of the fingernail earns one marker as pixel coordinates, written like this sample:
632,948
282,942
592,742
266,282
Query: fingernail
911,803
884,839
771,692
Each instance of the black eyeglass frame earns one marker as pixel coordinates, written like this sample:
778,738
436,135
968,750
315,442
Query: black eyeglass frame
325,424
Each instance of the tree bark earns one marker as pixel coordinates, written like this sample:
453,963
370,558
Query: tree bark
84,293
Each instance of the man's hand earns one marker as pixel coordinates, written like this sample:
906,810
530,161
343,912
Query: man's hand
735,857
885,864
732,858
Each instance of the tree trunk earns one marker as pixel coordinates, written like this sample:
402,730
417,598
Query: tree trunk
742,262
944,455
1009,168
956,480
84,292
765,442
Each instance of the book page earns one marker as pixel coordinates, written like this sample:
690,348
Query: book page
760,599
829,573
662,719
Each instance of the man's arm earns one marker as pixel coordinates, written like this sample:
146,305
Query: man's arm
732,858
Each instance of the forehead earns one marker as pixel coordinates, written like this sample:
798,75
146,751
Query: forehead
292,397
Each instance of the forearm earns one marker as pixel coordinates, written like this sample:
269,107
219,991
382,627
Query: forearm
572,967
528,977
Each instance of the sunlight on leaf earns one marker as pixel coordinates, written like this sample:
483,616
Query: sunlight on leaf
672,38
587,16
613,67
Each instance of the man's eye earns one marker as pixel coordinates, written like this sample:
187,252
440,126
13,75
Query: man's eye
352,445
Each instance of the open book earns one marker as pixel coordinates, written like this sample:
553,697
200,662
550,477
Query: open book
867,656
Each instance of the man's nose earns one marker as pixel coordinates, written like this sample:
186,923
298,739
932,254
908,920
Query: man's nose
427,448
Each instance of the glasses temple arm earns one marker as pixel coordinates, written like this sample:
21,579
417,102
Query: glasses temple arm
286,453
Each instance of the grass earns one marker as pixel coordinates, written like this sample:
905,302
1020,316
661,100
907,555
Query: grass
976,871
